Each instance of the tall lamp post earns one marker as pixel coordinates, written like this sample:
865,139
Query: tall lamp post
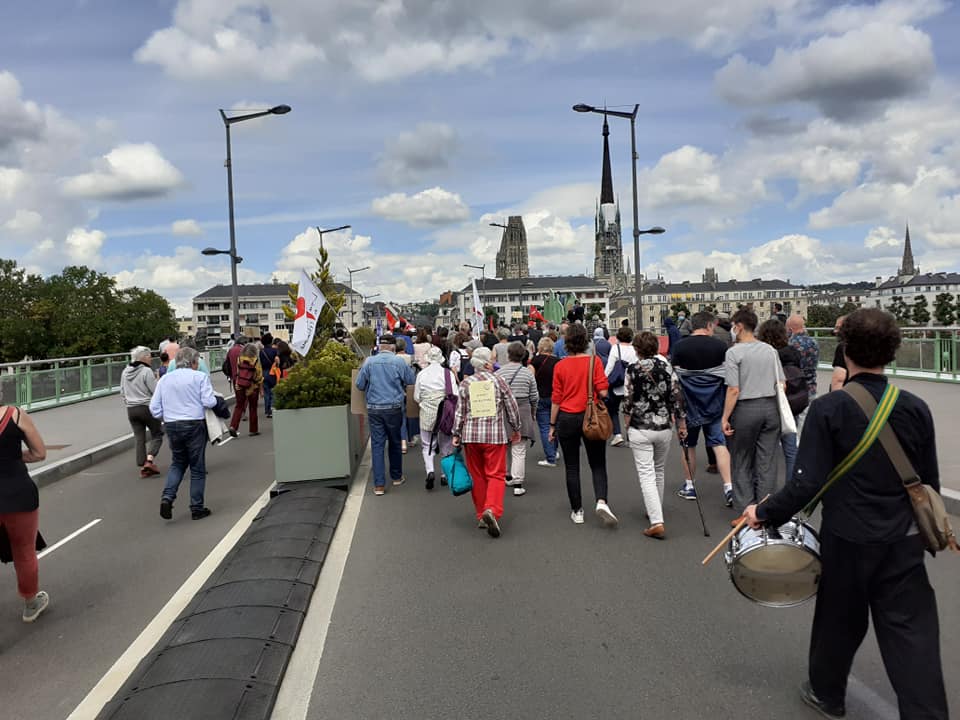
227,122
336,229
351,272
520,296
234,261
483,275
637,232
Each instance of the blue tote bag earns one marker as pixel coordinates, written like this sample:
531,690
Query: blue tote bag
455,469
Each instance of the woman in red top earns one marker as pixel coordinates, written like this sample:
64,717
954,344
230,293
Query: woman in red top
568,405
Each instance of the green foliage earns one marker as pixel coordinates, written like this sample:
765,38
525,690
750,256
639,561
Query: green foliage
919,313
364,337
78,312
679,307
944,310
323,279
321,380
596,309
900,309
489,312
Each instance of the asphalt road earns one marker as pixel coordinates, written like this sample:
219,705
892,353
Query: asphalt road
434,619
108,583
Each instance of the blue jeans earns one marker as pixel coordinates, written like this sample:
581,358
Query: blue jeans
789,445
188,446
543,421
613,407
385,426
267,399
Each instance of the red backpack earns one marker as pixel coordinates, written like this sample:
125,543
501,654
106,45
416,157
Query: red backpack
246,372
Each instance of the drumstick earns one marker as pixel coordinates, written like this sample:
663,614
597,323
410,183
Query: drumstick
737,528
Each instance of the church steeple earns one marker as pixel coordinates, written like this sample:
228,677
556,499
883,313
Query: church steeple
606,181
908,268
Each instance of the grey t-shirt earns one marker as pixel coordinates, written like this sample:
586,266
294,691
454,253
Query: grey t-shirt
755,368
500,352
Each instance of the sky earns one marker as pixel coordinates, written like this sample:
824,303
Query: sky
788,139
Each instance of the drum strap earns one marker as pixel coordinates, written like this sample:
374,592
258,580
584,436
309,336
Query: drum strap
870,435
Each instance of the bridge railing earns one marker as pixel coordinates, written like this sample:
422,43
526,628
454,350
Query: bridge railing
38,384
925,353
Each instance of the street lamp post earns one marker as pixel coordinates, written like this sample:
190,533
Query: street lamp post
637,288
336,229
351,272
483,275
520,296
227,122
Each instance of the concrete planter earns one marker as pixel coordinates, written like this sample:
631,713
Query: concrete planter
323,443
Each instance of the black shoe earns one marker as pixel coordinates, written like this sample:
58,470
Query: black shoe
429,483
269,416
443,481
166,509
200,514
824,708
254,434
233,433
490,520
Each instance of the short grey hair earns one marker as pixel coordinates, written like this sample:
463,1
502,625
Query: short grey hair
138,352
481,358
516,351
187,357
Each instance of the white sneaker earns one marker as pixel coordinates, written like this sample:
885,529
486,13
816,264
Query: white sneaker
577,517
606,514
617,440
546,463
519,490
514,482
33,608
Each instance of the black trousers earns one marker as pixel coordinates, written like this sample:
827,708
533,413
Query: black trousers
890,582
570,434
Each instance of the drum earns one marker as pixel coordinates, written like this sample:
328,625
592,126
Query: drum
776,568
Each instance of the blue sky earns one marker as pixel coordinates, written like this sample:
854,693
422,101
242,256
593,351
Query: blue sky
776,138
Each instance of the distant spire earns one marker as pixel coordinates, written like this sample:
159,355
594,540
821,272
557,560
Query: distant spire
606,181
908,267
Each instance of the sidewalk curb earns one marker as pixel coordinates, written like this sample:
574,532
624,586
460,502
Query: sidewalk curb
56,471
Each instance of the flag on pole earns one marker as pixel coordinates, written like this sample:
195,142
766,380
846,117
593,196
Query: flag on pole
392,317
310,302
476,321
379,328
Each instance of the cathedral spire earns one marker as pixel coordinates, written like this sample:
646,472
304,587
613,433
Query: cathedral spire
908,267
606,181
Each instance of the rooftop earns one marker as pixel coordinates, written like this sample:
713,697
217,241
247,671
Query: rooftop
541,282
661,287
245,291
924,279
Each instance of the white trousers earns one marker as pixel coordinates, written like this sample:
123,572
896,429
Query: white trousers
426,448
518,460
650,448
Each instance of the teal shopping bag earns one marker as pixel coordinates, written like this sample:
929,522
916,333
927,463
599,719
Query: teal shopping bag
455,469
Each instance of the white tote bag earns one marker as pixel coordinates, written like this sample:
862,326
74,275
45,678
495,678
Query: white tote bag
788,425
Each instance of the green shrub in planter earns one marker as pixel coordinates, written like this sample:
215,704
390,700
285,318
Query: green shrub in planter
322,379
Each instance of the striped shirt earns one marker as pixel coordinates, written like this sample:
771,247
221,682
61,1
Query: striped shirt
486,430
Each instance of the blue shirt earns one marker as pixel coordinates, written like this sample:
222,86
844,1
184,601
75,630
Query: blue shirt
558,348
182,395
204,368
384,378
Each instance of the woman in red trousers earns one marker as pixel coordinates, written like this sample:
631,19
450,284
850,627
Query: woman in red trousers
19,503
485,410
247,384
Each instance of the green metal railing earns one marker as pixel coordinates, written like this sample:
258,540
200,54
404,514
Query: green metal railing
925,353
39,384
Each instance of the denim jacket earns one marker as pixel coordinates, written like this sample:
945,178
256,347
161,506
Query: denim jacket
384,378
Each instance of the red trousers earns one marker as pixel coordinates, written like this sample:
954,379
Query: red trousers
22,531
246,403
487,465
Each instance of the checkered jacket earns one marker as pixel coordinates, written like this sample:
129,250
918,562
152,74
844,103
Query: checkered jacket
488,430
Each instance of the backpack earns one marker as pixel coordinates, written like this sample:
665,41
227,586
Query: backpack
246,372
465,367
225,368
447,411
798,395
619,373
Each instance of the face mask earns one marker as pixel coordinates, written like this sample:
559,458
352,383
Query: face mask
733,332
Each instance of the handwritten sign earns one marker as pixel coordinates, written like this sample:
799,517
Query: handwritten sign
483,399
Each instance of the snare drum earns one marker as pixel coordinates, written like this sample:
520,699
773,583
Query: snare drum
776,568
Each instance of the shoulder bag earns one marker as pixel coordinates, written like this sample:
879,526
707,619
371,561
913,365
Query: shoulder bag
618,375
928,508
788,424
597,424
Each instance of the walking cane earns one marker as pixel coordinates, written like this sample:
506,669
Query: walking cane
686,470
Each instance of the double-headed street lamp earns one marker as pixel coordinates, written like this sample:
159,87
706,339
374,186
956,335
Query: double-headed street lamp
637,232
228,163
336,229
351,272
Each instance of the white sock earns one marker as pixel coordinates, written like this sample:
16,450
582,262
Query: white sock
689,484
727,486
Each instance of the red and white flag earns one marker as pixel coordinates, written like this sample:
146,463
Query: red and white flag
310,302
392,316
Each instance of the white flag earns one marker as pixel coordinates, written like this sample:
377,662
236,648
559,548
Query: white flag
476,320
310,302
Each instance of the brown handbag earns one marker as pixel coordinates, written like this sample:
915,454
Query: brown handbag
597,424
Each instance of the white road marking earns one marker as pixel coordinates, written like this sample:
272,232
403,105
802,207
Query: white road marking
68,538
117,675
293,700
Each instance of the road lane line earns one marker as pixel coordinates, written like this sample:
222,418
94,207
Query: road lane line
117,675
68,538
296,690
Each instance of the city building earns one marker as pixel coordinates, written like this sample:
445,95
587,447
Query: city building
608,242
511,299
449,313
186,327
512,259
261,308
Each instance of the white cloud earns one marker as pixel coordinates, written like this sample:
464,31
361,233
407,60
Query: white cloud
186,228
844,76
24,221
11,182
129,171
434,206
414,155
83,246
845,17
882,238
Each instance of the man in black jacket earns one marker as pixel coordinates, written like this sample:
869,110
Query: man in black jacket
872,554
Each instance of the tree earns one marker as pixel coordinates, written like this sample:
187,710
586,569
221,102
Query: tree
919,313
490,312
596,309
679,307
323,278
19,293
944,310
900,310
364,337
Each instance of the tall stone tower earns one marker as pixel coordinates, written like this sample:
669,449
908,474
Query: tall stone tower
908,268
512,259
608,249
